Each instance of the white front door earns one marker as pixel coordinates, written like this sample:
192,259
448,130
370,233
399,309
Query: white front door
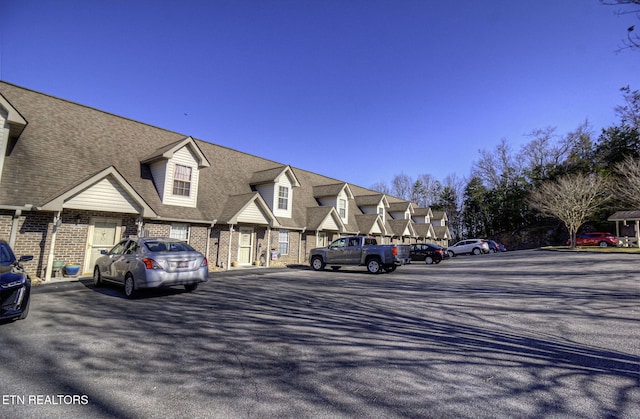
103,234
246,245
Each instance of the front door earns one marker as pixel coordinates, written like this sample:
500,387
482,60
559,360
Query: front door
246,245
103,234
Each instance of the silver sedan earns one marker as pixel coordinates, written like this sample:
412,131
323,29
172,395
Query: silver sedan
151,263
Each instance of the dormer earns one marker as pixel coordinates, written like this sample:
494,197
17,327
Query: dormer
422,215
11,126
176,172
275,186
335,195
373,204
439,218
402,210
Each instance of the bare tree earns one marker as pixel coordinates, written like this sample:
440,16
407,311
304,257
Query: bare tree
381,187
571,199
633,37
402,186
629,189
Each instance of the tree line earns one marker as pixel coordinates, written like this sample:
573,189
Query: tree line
544,191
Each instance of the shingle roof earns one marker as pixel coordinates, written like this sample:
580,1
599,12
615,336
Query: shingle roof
625,216
65,143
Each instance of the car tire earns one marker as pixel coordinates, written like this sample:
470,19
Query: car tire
603,244
191,287
374,266
390,268
129,286
476,251
97,278
451,254
428,260
317,263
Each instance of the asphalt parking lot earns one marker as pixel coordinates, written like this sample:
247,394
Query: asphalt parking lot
525,334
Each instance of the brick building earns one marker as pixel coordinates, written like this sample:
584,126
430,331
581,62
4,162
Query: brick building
76,180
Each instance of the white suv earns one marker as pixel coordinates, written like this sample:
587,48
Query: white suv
470,246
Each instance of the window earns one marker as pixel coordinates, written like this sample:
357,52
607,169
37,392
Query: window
283,198
179,231
283,242
342,208
182,180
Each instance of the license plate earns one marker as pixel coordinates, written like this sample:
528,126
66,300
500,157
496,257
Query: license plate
182,264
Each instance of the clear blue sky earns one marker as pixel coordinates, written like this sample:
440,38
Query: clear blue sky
400,86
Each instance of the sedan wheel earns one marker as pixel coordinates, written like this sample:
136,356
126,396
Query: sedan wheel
191,287
129,286
97,279
428,260
476,251
603,244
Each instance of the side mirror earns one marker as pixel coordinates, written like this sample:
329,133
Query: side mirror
103,252
25,258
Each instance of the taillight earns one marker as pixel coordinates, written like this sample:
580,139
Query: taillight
205,262
151,264
439,251
394,251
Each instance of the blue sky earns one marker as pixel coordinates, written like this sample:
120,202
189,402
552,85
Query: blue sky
352,89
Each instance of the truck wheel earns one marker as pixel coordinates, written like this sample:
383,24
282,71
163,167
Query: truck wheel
335,268
317,263
373,265
390,268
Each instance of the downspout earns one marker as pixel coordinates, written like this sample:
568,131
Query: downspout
139,226
14,228
300,245
268,247
57,221
229,250
209,239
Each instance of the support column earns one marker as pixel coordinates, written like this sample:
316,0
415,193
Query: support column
57,221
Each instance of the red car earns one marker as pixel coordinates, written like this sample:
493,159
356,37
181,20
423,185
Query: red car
595,239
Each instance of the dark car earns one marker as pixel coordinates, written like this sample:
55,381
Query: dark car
494,247
430,253
595,239
15,285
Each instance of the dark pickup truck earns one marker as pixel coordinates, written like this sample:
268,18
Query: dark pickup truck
360,251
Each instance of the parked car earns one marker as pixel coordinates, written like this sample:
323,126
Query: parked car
595,239
15,285
493,246
429,253
151,263
469,247
502,247
360,251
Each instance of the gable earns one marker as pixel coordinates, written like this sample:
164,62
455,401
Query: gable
104,195
253,214
105,191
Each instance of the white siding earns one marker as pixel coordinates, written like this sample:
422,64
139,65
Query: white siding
159,174
329,224
105,195
267,191
183,157
253,214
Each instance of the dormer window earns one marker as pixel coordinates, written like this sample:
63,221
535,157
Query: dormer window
342,208
283,198
182,181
